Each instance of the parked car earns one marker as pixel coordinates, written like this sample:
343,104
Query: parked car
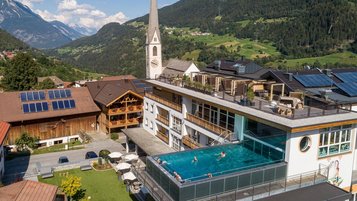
91,154
63,159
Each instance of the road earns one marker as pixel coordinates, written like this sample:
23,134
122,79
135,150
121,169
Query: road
26,166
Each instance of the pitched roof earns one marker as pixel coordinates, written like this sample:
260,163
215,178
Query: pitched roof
119,77
54,79
11,106
4,128
28,191
176,67
105,92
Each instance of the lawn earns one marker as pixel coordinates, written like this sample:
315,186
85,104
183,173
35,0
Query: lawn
99,185
346,57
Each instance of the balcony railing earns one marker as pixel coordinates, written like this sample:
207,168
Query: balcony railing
163,119
222,132
188,141
123,110
123,123
158,99
162,136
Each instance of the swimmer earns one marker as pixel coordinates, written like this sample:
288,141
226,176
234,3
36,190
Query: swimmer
221,155
194,159
209,175
177,177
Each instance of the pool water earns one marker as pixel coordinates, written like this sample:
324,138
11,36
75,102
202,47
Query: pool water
237,158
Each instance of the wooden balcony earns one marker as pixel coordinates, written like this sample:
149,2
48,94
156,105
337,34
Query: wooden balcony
188,141
163,119
170,104
123,123
123,110
162,137
222,132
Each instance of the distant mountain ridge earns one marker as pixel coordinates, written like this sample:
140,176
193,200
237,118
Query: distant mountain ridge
67,30
18,20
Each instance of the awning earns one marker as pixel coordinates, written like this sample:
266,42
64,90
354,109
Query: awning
150,144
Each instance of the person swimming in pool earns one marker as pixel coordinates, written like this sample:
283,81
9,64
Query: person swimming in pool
177,177
222,155
195,159
209,175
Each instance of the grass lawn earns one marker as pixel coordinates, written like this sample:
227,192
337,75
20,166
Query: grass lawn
99,185
342,58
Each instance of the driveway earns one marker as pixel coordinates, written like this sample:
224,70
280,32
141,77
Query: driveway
25,167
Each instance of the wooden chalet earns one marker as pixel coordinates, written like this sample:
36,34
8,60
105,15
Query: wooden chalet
120,101
54,116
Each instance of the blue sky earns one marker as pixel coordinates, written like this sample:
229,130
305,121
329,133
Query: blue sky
91,13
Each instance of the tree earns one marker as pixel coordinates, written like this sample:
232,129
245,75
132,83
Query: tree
26,142
21,74
46,84
71,186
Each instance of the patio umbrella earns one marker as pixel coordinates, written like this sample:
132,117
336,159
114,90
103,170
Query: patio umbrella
129,176
115,155
131,157
123,166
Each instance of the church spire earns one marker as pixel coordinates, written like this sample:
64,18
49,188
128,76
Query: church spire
153,22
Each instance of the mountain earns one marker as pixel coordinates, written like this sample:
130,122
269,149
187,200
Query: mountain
18,20
66,30
9,42
84,30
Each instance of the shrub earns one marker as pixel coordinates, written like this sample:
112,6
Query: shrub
104,153
100,161
114,136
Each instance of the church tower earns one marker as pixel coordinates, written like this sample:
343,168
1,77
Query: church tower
153,44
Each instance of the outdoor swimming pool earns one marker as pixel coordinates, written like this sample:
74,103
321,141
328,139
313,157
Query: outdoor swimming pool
238,157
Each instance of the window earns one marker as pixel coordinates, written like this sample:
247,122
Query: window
152,108
154,51
146,121
151,125
176,124
305,144
176,143
335,140
146,105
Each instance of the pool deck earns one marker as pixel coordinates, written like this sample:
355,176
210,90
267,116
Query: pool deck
259,114
150,144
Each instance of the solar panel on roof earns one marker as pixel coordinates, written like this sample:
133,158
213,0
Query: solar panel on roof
54,105
60,104
42,95
51,95
66,104
45,106
314,80
32,107
39,107
25,108
140,85
23,96
30,96
72,103
347,76
36,96
68,93
349,88
57,94
63,93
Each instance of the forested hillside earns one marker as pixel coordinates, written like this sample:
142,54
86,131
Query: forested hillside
8,42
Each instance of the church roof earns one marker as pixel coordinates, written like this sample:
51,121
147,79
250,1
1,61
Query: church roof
153,22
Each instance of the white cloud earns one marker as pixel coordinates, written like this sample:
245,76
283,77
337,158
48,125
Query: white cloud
71,12
30,3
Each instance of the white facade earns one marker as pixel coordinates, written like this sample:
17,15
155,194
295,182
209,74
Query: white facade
339,165
154,58
61,140
192,69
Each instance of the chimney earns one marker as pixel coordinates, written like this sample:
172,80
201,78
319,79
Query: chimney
327,72
290,76
217,64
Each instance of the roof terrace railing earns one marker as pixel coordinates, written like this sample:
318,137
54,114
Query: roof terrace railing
168,103
263,105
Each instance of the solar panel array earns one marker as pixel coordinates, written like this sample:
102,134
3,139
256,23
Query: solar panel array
34,100
60,93
314,80
141,85
63,104
32,96
347,76
35,107
349,88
